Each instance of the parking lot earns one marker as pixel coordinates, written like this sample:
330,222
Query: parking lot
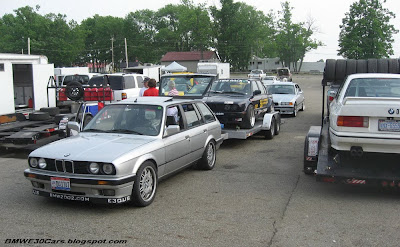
257,195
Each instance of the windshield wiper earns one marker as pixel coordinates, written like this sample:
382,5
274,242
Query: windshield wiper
234,92
124,131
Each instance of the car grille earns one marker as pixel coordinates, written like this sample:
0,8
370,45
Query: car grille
67,166
216,107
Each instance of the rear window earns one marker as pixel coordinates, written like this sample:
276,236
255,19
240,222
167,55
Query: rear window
116,82
83,79
374,87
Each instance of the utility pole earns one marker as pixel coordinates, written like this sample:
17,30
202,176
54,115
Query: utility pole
126,54
112,54
29,46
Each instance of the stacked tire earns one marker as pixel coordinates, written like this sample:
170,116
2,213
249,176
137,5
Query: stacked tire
337,70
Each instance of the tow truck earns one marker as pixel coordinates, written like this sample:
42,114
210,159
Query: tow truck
355,166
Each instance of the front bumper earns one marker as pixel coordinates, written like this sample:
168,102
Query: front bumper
284,109
370,142
82,188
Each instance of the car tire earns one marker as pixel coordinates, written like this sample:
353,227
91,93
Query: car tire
277,126
250,118
74,91
303,106
87,119
351,67
208,160
372,65
269,134
340,70
383,65
362,66
51,110
39,116
145,185
330,70
393,66
294,114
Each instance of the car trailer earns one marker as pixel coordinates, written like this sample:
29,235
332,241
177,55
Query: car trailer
270,125
329,166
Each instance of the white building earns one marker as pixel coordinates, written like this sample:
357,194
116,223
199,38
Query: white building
271,64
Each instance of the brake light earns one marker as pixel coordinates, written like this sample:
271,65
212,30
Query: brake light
352,121
330,98
123,96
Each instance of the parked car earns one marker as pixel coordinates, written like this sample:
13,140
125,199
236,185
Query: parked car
239,101
284,74
125,150
365,115
268,80
256,73
123,85
288,97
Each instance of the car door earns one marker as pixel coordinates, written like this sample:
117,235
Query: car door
257,99
197,130
177,146
266,99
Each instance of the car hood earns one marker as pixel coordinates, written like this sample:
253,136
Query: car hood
278,98
100,147
234,98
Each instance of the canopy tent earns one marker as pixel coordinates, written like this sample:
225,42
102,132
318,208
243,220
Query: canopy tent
174,67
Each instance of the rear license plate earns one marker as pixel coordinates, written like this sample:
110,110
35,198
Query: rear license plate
60,184
389,125
312,146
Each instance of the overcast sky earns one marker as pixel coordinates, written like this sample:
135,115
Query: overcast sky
327,14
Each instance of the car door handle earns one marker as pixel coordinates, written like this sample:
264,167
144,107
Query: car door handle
186,137
205,131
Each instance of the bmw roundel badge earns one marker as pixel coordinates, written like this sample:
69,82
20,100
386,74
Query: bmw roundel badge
391,111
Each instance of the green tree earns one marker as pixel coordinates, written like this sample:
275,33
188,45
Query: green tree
366,32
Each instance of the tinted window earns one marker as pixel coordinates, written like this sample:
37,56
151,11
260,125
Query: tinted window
192,117
114,81
129,82
83,79
207,114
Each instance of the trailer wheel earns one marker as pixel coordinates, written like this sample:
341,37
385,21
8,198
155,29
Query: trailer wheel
269,134
250,118
39,116
51,110
74,91
362,66
340,69
308,166
277,126
393,66
383,66
330,69
351,67
372,65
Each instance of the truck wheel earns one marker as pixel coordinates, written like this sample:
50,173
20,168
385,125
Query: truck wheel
340,70
393,66
145,186
209,157
51,110
362,66
269,134
383,66
351,67
39,116
372,65
74,91
250,118
330,69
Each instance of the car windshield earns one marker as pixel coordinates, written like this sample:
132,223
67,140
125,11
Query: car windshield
116,82
374,87
256,72
127,119
283,72
231,87
190,85
281,89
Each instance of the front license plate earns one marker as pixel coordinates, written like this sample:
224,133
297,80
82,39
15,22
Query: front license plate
60,184
389,125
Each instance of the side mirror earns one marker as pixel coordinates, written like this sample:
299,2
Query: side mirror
74,126
257,92
171,130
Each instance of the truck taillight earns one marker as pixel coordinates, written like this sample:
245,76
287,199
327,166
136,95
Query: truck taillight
352,121
123,96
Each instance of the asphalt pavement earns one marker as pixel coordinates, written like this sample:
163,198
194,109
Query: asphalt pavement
257,195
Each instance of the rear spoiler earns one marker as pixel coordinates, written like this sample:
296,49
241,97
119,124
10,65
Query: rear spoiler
373,100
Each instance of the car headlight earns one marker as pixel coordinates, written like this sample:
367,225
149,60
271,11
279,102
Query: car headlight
108,168
94,168
42,163
235,107
33,162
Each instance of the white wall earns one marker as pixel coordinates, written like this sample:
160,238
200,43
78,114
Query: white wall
7,89
41,75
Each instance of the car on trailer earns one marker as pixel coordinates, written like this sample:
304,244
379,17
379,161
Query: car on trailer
288,97
358,141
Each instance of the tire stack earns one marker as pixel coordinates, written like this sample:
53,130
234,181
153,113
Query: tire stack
336,70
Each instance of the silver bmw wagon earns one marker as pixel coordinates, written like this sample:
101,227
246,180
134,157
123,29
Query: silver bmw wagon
127,147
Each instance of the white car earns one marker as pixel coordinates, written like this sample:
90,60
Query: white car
365,114
256,73
288,97
268,80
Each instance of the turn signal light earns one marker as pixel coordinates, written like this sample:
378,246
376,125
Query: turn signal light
352,121
124,96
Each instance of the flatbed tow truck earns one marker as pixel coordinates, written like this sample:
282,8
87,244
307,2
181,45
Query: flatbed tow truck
375,169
